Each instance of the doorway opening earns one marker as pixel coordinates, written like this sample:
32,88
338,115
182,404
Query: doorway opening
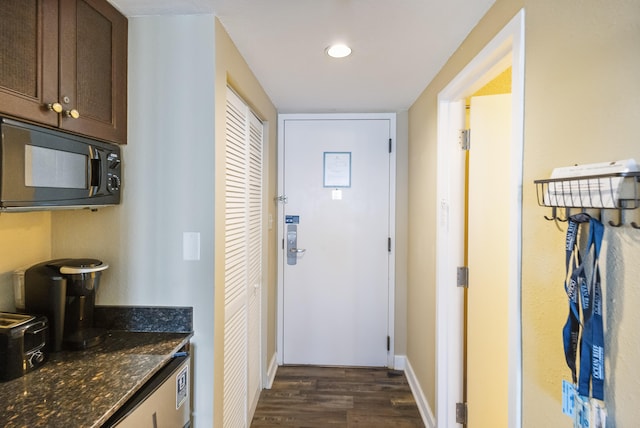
504,51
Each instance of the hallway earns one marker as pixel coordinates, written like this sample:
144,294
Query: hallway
311,396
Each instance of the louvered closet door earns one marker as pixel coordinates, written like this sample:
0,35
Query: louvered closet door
243,262
255,261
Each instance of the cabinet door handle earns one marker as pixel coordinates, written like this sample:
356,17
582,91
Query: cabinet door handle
57,107
73,113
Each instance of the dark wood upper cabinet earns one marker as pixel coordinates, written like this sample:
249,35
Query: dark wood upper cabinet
93,68
29,59
65,58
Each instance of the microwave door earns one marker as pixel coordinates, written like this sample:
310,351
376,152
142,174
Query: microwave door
40,169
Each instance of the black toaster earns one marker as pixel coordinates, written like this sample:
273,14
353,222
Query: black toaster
23,340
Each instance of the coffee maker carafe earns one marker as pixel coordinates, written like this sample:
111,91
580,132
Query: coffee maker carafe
65,291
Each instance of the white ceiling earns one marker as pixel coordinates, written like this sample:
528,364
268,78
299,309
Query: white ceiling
398,46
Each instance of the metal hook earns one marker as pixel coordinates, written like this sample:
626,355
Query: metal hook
567,212
619,223
553,214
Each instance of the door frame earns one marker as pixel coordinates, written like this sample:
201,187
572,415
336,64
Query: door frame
504,50
391,117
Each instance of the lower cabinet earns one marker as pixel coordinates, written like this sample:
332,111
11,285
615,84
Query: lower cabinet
163,402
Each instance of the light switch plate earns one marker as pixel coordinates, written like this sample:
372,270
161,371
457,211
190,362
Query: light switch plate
191,246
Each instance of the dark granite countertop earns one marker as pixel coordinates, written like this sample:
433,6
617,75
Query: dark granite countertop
83,388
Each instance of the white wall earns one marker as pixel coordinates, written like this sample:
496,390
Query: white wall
26,240
168,187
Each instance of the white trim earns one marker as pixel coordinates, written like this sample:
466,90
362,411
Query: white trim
421,400
449,322
264,289
271,371
515,232
399,362
507,48
280,241
392,217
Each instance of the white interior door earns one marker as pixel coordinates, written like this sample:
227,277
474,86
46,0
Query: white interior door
336,295
488,252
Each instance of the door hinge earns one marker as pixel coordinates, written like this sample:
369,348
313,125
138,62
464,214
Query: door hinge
283,243
461,413
463,276
390,145
389,244
388,343
465,139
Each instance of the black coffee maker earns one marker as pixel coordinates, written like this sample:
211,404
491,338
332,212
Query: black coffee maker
65,291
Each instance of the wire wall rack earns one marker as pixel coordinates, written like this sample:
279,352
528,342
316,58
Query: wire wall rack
615,191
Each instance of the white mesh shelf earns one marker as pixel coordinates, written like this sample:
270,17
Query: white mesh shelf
616,191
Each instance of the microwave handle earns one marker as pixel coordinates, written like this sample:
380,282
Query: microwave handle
95,173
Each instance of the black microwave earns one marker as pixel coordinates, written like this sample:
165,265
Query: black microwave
44,169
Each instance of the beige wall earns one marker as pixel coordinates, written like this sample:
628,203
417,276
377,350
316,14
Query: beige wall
581,105
232,70
26,240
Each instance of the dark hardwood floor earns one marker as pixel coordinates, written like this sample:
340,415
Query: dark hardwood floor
310,396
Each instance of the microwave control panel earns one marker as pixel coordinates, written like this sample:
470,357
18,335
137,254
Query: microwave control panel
113,177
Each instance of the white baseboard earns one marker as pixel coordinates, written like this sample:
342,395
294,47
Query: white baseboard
423,405
399,362
271,371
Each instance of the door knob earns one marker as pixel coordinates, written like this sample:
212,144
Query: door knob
73,113
56,107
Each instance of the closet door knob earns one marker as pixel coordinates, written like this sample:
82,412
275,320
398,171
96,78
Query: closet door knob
73,113
57,107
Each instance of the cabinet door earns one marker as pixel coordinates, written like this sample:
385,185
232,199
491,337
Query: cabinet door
29,59
93,69
166,406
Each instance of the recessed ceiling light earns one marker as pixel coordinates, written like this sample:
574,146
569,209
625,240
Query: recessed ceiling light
338,51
